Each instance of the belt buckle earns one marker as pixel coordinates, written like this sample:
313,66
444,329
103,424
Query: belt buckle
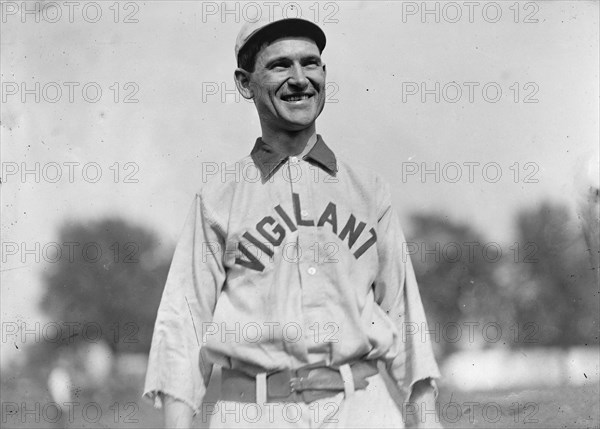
297,384
279,384
290,385
300,384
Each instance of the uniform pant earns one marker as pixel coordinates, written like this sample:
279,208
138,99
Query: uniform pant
372,407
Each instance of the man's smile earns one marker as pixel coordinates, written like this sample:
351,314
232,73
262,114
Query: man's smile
296,98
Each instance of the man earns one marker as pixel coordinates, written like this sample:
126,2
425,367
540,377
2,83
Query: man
292,277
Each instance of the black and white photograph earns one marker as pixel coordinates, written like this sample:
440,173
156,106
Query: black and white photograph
300,214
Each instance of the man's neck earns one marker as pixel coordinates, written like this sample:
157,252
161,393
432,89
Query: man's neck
290,143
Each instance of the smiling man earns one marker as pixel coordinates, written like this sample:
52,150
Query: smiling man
291,278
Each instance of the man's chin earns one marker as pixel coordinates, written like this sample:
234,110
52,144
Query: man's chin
301,121
299,125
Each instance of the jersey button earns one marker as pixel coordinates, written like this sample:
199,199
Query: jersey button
293,159
312,271
304,213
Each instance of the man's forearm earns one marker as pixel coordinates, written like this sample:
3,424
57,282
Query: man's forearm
178,414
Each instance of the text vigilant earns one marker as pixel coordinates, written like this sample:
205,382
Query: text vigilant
274,233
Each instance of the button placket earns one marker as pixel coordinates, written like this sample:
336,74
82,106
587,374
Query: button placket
307,234
310,292
294,187
311,248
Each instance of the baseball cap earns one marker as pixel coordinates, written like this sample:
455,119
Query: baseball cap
275,25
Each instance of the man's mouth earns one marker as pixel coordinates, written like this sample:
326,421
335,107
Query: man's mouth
291,98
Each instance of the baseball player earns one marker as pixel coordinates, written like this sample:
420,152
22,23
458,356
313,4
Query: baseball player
290,274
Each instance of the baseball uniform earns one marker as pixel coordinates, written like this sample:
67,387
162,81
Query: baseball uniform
286,261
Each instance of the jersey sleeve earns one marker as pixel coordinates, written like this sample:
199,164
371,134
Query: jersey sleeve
195,279
396,291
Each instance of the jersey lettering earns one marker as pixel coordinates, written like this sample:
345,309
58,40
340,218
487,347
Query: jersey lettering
276,233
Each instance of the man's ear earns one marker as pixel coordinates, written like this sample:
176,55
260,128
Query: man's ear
242,81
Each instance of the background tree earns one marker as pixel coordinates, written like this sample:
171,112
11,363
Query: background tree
455,269
110,274
558,289
112,277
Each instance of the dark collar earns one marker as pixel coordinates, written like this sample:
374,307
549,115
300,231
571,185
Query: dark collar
268,160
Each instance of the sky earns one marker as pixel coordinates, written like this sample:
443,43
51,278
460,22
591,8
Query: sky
496,102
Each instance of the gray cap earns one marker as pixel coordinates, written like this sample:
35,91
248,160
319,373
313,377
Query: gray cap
278,26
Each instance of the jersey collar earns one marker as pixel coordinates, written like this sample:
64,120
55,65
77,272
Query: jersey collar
268,160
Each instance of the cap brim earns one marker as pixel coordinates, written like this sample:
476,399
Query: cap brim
287,27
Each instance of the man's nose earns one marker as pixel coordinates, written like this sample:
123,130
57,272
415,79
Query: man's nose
298,76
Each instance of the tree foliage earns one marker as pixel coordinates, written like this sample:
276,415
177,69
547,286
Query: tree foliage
455,269
559,291
112,277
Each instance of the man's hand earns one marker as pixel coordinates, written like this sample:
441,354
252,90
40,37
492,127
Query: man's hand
178,414
421,411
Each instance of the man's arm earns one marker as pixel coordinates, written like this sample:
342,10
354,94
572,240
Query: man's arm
177,413
196,277
412,366
422,406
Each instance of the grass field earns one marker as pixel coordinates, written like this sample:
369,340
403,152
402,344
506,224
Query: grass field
562,407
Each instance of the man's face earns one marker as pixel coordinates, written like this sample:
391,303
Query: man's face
288,84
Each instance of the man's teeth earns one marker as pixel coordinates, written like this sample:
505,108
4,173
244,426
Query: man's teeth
297,97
